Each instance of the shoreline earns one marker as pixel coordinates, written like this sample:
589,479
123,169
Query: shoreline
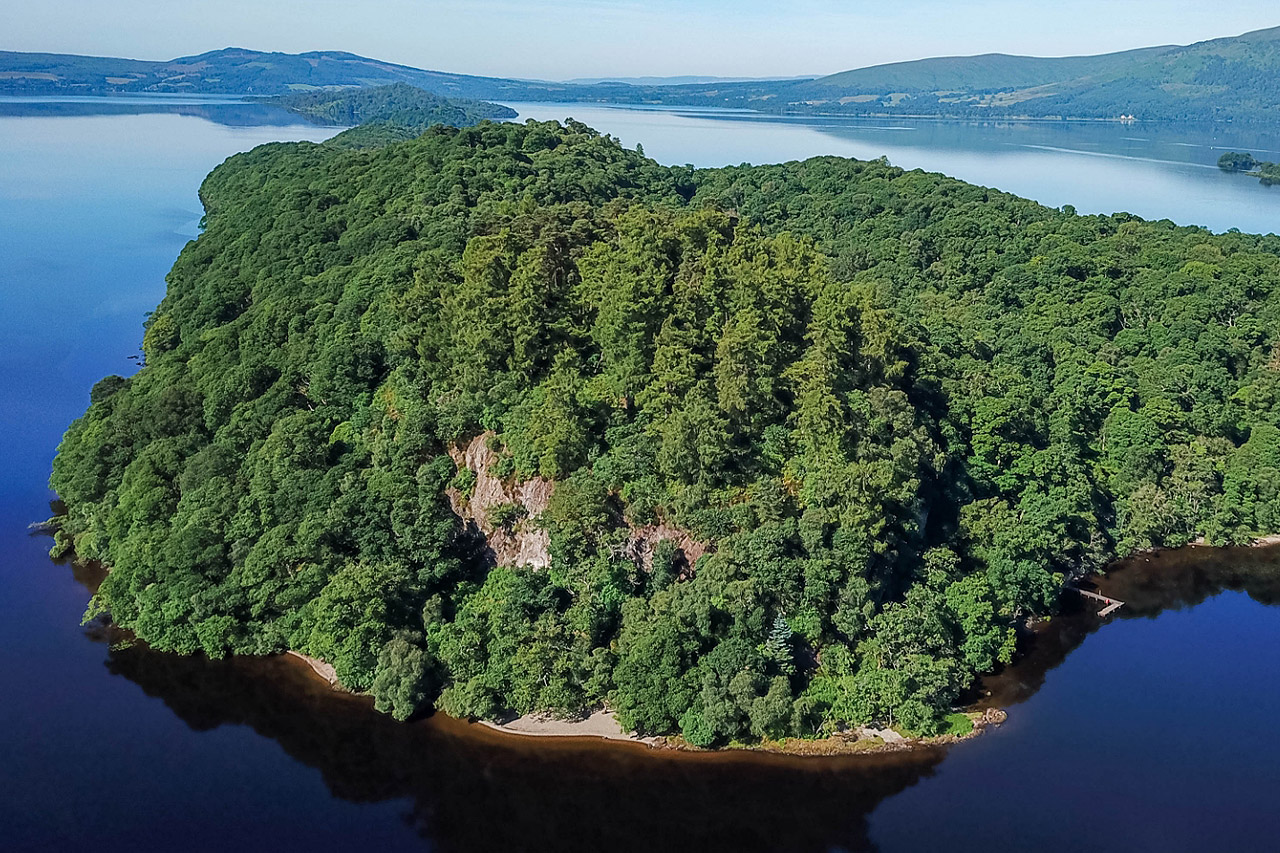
601,725
322,669
598,724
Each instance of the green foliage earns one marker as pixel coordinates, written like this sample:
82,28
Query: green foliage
465,482
957,725
515,644
896,410
402,682
390,113
1234,161
506,515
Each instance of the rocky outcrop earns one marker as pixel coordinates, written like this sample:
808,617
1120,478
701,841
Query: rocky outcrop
508,513
519,541
644,540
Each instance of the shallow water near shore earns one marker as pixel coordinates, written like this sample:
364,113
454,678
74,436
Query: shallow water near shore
1152,730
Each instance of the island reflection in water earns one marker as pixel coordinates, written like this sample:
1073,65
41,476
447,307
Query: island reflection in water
470,788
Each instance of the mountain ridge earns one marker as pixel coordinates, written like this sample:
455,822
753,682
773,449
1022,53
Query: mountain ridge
1234,78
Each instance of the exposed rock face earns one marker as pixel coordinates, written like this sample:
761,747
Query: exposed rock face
525,542
645,539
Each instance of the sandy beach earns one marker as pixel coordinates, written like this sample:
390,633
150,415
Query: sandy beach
601,724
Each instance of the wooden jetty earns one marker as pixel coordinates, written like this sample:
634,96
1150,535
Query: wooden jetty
1111,605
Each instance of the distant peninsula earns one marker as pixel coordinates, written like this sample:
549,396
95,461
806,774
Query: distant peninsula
388,113
1220,80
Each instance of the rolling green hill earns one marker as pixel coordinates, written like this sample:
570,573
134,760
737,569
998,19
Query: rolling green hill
1229,79
976,73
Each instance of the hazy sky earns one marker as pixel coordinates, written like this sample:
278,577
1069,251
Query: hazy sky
578,38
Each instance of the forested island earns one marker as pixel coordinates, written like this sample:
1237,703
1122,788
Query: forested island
510,418
1236,161
406,107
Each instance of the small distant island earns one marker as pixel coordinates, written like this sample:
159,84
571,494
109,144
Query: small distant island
384,114
397,103
1236,161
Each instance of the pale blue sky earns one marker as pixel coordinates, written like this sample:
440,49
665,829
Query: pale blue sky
579,38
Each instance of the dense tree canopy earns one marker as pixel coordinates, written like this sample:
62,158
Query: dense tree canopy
1236,161
896,408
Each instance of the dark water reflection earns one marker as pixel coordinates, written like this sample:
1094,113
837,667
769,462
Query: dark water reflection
1151,731
1149,585
469,790
1174,580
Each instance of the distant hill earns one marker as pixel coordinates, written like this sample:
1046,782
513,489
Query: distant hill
1234,79
1227,79
977,73
236,71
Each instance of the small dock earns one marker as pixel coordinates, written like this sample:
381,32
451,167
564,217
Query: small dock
1110,605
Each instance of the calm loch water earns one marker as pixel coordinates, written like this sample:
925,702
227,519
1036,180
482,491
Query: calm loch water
1153,731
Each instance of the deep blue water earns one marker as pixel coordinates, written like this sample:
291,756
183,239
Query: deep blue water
1152,732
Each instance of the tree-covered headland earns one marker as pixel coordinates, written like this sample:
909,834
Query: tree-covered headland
893,411
408,109
1236,161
